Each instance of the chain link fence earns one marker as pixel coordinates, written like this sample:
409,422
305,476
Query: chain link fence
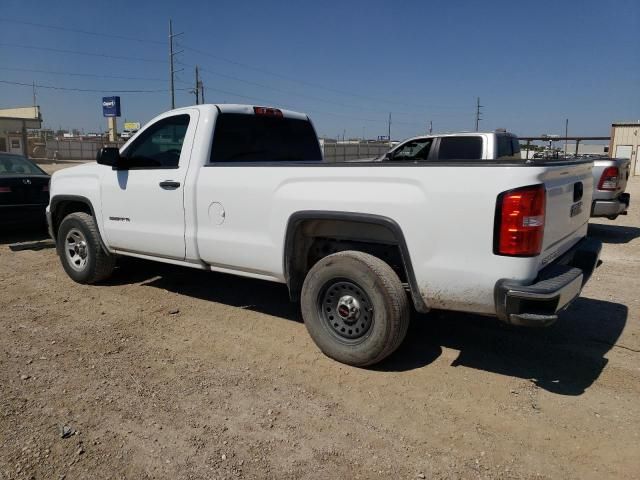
73,149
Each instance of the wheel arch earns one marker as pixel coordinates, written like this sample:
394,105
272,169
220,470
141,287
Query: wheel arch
62,205
349,226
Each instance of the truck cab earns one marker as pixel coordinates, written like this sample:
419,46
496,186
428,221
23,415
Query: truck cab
455,147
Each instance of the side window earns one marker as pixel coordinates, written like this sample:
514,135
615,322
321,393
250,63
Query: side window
160,145
516,147
415,150
508,147
460,148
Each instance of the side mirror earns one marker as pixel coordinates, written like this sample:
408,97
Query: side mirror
388,156
109,156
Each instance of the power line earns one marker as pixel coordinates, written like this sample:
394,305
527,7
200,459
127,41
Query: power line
321,112
78,52
201,52
84,32
93,90
314,85
78,74
301,95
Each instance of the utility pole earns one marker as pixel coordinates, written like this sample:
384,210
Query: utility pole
566,134
197,90
430,127
171,69
478,113
34,93
389,129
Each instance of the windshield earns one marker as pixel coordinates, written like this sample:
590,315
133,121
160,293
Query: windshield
17,165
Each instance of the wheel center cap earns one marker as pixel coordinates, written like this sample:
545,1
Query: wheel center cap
348,308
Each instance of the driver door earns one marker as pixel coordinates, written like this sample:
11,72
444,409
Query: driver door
143,201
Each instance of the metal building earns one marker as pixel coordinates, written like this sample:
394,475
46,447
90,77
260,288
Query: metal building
14,123
625,143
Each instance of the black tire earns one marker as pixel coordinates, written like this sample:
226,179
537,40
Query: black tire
98,264
328,294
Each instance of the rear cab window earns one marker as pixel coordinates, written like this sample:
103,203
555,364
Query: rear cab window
467,147
244,138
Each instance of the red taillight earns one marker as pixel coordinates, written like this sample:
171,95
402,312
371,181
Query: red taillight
609,179
520,222
5,189
270,112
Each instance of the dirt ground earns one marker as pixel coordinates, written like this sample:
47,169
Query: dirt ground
165,372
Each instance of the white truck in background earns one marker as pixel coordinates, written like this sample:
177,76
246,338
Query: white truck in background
243,190
610,176
463,146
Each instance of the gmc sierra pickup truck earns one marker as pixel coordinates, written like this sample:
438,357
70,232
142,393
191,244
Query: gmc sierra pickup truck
244,190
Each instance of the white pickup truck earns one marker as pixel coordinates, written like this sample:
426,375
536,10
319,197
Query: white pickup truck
243,190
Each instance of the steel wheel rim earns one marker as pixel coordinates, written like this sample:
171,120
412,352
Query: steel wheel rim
346,310
76,249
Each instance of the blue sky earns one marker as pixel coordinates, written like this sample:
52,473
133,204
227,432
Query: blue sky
347,63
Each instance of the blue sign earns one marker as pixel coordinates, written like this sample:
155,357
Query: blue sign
110,106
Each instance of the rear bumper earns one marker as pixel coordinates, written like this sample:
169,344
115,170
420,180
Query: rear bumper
556,286
611,208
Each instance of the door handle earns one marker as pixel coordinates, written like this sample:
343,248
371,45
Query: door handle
169,184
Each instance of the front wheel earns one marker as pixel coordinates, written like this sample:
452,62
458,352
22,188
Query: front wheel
355,308
80,251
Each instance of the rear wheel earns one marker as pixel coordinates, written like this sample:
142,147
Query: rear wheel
80,251
355,308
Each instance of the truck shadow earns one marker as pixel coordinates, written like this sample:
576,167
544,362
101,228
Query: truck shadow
565,358
250,294
25,238
613,233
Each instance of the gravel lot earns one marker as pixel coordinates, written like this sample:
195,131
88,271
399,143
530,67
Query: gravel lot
166,372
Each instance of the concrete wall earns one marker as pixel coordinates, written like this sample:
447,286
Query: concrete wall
342,152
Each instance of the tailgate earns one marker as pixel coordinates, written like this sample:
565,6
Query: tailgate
569,191
624,166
